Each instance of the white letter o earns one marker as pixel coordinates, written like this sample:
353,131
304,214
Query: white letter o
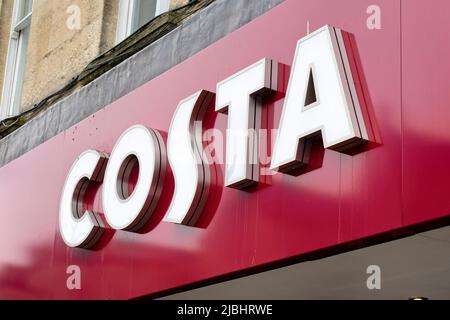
131,212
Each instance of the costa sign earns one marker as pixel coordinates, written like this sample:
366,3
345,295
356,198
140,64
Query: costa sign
320,98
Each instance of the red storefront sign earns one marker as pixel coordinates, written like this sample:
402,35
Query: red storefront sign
397,180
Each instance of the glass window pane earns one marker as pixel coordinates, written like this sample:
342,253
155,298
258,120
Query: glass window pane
20,71
144,12
25,7
28,4
162,6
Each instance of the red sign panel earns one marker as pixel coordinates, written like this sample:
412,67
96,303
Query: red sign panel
400,178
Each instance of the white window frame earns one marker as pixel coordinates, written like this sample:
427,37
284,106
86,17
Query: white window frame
127,16
15,61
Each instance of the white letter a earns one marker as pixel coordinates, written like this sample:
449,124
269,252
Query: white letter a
320,99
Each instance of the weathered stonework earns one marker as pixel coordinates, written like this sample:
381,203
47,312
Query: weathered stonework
149,33
58,50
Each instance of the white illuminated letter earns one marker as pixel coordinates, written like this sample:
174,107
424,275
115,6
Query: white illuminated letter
145,147
185,153
240,96
81,228
321,98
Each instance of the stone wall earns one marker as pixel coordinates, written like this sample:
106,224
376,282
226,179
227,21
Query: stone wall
59,49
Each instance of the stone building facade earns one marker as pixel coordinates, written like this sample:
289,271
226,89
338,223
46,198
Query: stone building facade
64,36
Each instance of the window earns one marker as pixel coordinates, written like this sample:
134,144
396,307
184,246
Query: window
133,14
16,58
